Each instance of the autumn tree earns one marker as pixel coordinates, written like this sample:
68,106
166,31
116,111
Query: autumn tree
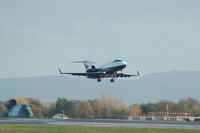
36,106
96,106
109,106
49,109
85,110
37,112
2,108
21,100
134,110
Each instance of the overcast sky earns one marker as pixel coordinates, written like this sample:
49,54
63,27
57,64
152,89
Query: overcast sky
38,36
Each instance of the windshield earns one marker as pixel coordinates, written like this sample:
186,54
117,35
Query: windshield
117,60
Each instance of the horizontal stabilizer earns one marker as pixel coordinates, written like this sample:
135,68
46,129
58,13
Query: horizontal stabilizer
83,74
86,61
122,75
88,64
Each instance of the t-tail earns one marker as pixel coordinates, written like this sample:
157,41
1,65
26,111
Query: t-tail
87,64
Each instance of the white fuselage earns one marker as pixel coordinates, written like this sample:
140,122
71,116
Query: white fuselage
113,63
108,70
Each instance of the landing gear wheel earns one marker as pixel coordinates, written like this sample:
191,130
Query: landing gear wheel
112,80
98,80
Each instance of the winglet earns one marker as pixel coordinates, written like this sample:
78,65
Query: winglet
138,73
60,71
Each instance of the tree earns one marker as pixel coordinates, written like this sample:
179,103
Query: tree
134,110
37,111
85,110
37,107
21,100
96,106
189,105
108,106
166,106
49,109
65,106
35,102
149,107
2,108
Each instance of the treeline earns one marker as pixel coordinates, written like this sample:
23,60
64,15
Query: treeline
106,106
189,105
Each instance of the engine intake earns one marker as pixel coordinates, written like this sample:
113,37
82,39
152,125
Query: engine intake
93,67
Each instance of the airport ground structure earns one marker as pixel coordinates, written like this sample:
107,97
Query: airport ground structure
165,118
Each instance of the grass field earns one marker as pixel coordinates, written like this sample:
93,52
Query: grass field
42,128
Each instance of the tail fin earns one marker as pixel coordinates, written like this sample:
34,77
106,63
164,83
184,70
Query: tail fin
87,64
138,73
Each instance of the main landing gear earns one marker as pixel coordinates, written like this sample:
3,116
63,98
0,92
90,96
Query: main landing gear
112,80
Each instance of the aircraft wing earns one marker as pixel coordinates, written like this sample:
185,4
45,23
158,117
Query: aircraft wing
83,74
122,75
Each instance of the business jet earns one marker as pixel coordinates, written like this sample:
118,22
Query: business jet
108,70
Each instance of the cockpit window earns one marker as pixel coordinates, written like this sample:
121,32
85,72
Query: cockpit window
117,60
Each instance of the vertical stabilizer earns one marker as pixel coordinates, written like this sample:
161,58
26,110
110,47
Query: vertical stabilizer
87,64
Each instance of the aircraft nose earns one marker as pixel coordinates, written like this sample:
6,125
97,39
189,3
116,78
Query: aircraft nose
125,64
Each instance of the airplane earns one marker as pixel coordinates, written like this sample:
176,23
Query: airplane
108,70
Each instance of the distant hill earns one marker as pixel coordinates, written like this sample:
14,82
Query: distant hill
149,88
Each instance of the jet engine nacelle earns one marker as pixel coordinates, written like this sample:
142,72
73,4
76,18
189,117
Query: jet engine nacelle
11,103
92,69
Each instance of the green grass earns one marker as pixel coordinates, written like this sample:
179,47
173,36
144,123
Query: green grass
42,128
